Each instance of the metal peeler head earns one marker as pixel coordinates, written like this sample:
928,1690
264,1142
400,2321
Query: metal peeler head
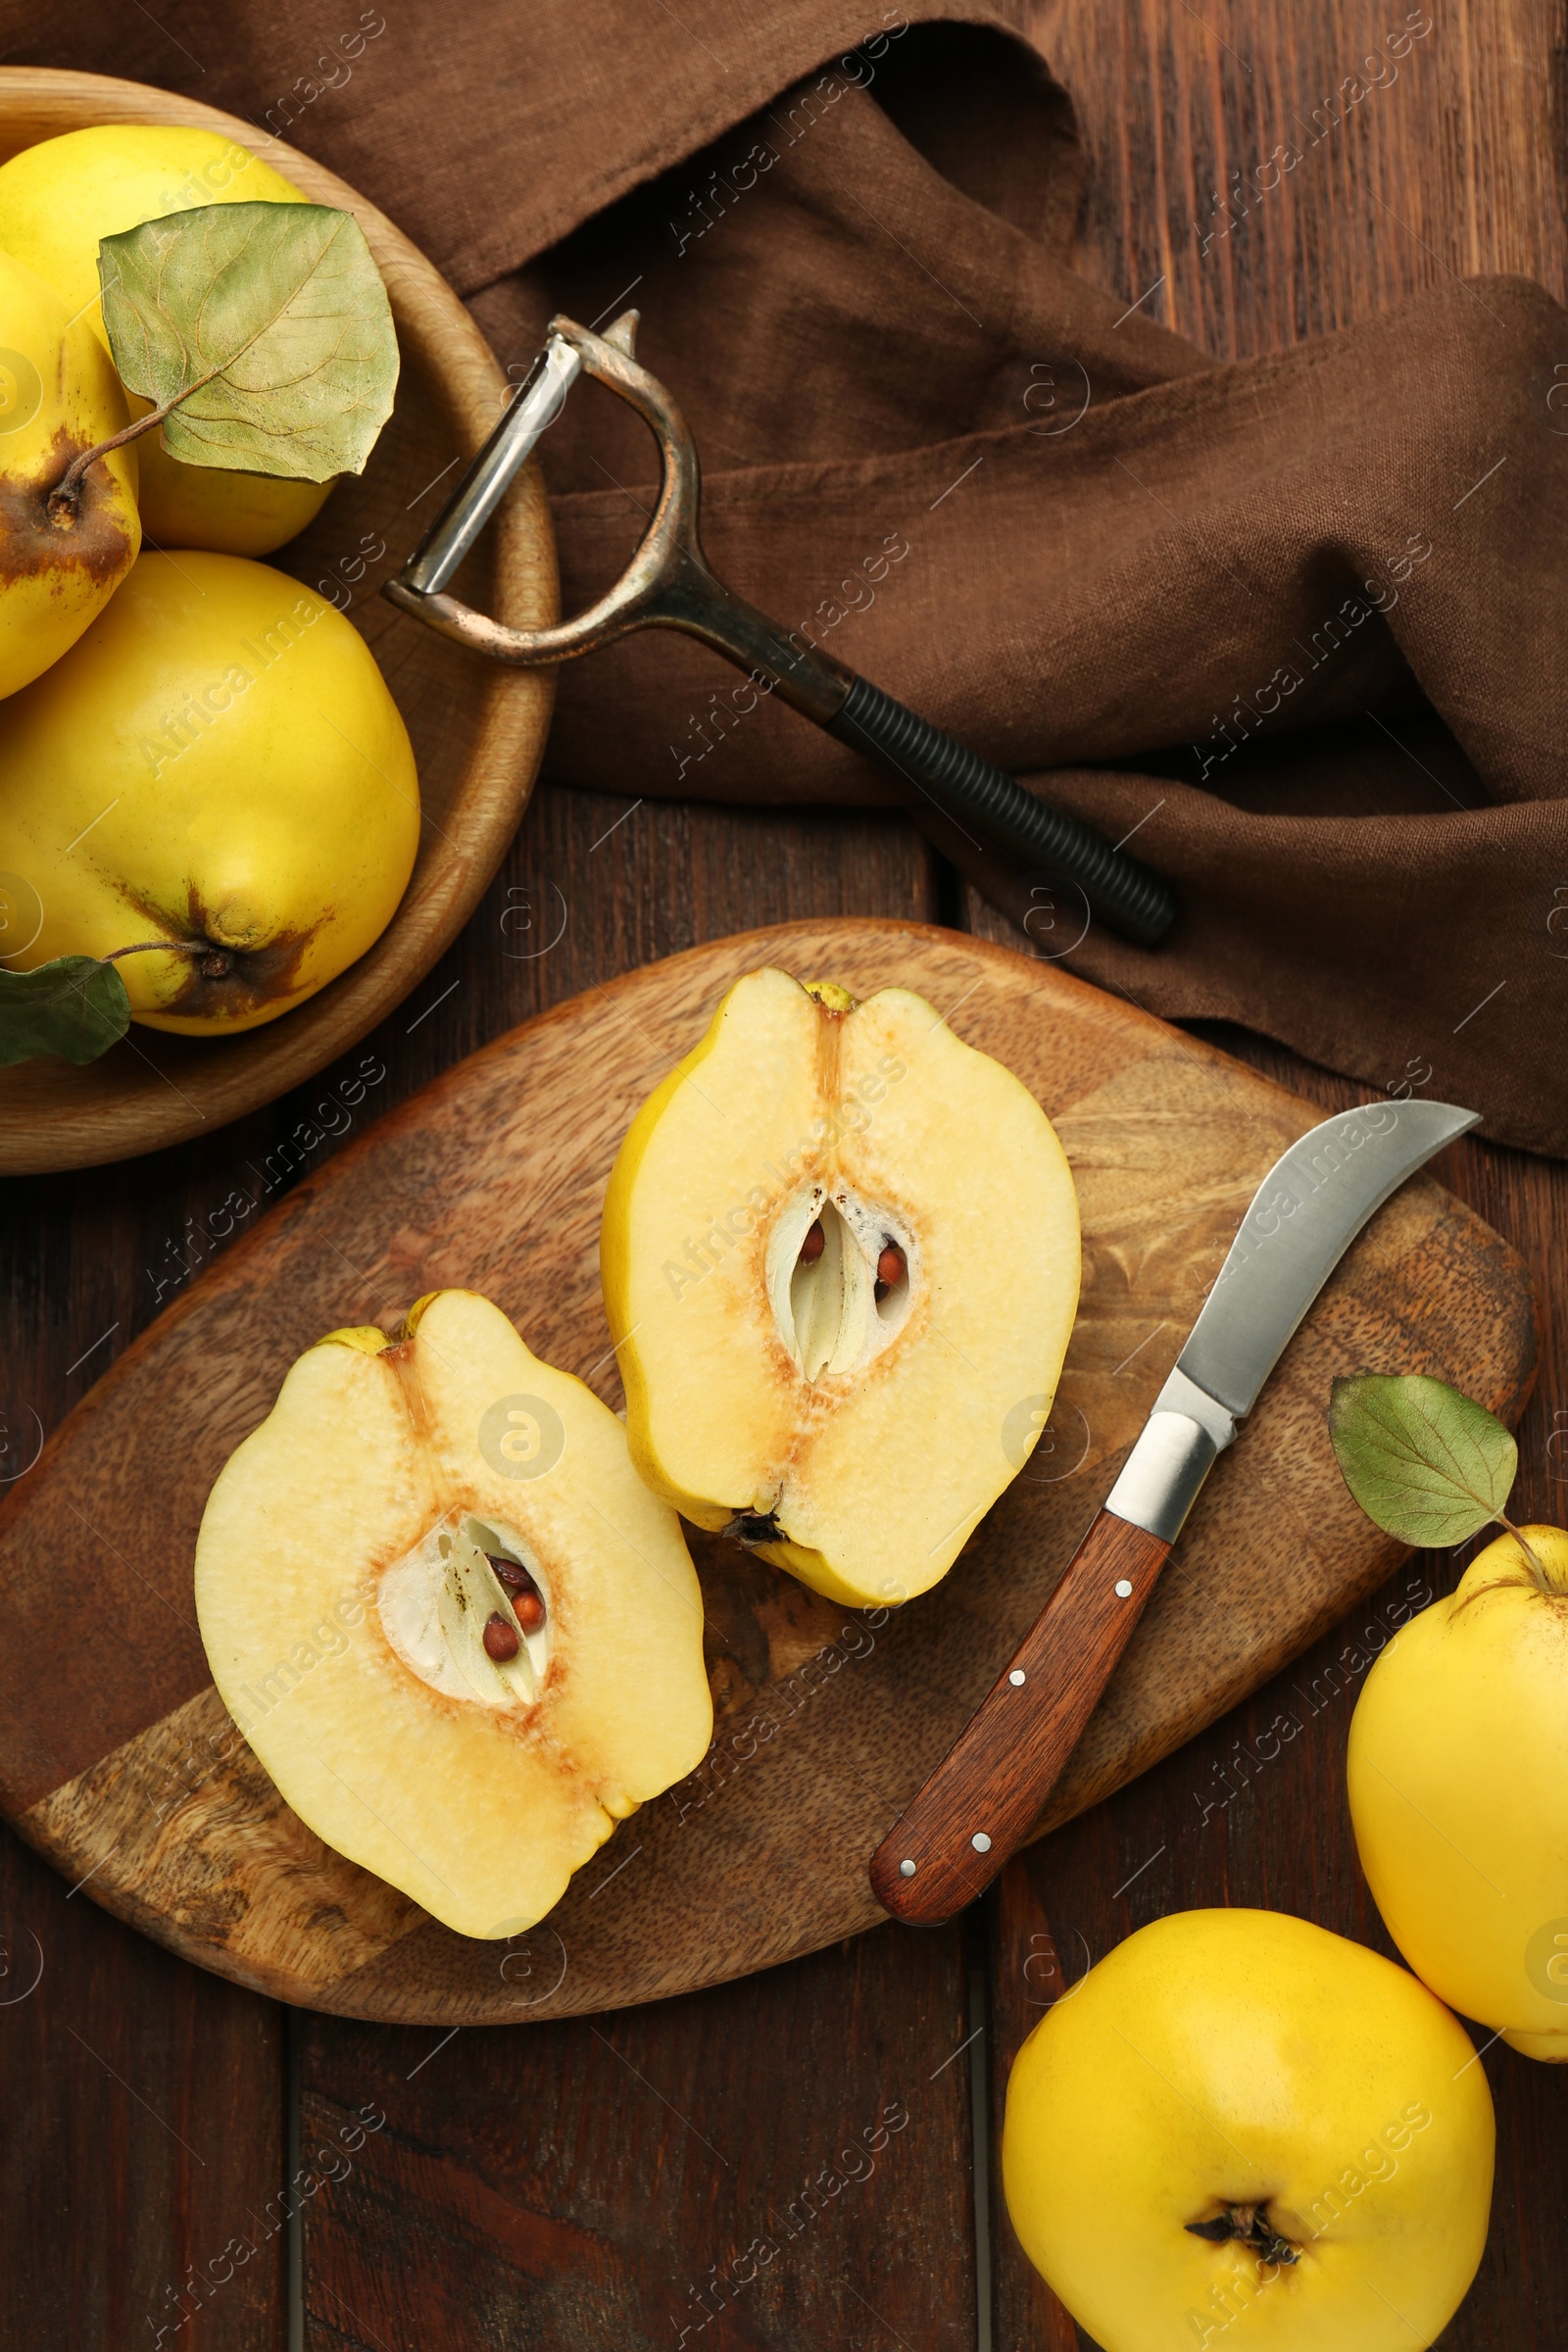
667,583
668,550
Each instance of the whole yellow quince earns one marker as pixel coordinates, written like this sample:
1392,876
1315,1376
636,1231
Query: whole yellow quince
57,201
1242,2130
1459,1781
58,396
218,763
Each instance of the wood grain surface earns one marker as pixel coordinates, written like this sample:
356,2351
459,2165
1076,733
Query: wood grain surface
604,2177
126,1772
477,730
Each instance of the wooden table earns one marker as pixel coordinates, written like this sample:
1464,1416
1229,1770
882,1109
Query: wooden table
597,2182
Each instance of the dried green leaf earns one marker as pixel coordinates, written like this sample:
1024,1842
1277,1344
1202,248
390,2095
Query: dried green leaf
267,324
74,1006
1427,1464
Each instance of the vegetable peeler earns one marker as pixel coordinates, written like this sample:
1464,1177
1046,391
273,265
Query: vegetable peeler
668,585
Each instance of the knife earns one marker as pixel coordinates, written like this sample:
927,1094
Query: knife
979,1804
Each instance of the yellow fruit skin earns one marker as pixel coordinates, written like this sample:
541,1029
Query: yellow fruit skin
1238,2057
614,1276
58,200
1458,1783
58,396
220,759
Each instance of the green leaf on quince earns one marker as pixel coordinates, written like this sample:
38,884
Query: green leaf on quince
75,1007
262,329
1426,1463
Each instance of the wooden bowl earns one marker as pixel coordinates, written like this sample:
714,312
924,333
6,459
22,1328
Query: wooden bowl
478,730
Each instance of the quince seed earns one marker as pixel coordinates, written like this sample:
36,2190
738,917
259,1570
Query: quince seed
501,1640
519,1588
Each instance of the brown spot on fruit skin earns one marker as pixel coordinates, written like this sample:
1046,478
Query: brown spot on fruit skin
96,543
226,982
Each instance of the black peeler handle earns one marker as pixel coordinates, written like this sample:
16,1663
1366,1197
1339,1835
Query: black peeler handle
1132,898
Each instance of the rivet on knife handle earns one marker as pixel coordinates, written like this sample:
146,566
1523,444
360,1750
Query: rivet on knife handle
979,1806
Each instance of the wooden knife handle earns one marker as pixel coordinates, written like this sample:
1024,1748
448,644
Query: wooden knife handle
978,1805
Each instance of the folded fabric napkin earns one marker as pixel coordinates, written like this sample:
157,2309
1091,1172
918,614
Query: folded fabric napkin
1297,621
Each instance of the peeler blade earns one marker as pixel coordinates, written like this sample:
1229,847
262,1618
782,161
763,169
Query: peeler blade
531,410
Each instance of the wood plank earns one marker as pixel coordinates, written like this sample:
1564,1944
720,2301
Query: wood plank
145,2136
828,1720
1237,185
712,2170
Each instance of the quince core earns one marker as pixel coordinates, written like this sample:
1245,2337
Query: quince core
453,1623
840,1255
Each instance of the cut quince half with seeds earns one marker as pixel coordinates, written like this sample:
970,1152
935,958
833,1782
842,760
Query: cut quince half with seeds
451,1620
840,1257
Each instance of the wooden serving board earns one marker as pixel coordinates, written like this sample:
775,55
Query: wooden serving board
119,1762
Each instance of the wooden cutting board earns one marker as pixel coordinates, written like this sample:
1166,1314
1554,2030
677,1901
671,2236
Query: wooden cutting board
119,1762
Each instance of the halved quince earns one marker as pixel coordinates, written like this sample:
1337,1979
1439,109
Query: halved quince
448,1616
839,1259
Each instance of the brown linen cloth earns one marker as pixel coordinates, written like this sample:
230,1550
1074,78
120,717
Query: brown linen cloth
1296,621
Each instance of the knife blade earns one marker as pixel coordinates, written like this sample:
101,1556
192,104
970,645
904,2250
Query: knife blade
979,1803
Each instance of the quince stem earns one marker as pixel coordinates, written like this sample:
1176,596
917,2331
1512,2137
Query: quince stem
62,498
1499,1583
1543,1580
217,961
163,947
